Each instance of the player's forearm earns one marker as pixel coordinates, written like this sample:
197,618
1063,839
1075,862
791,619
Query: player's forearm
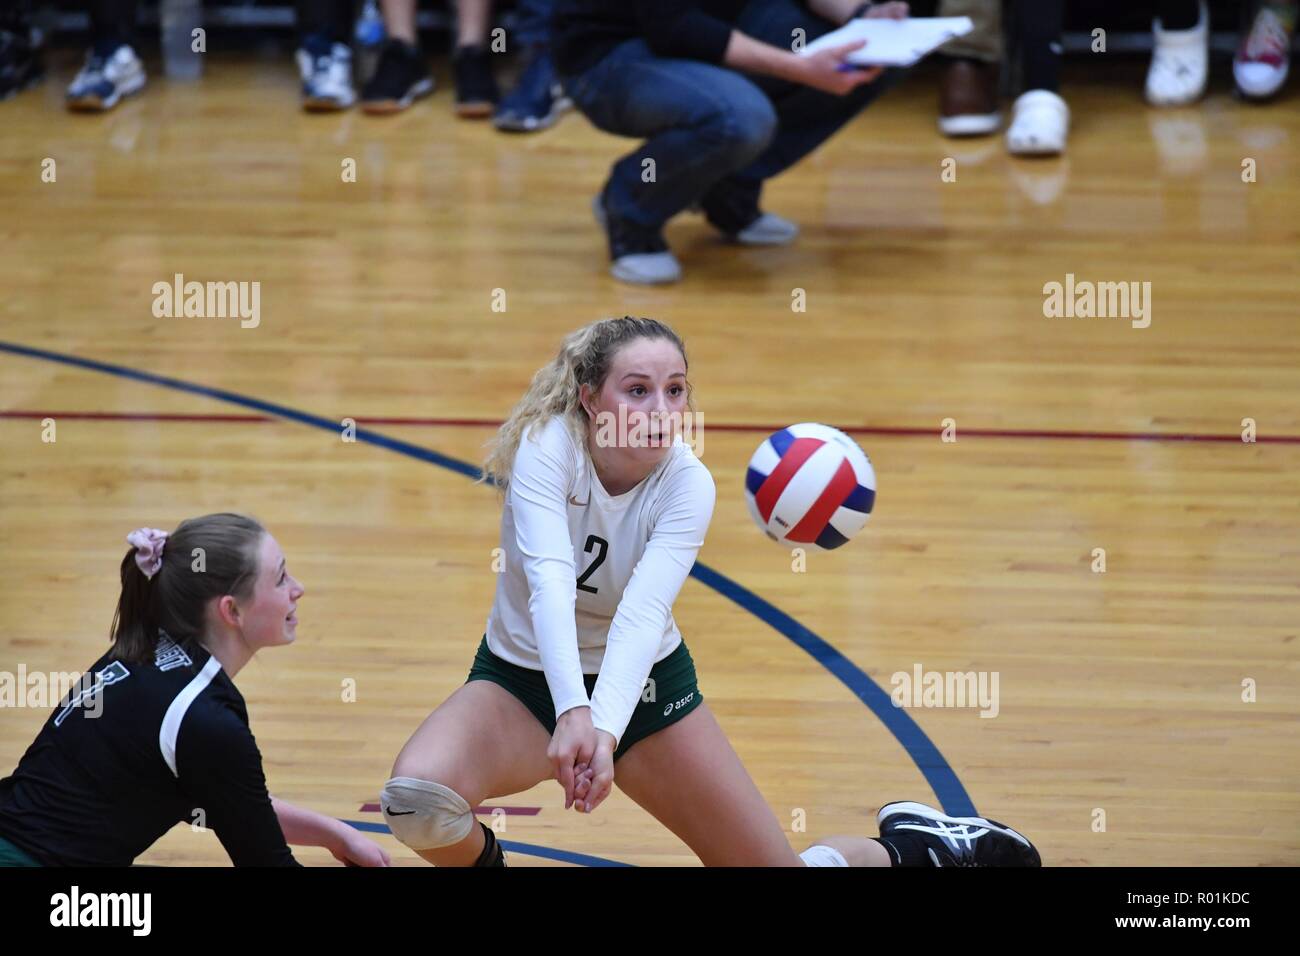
303,827
628,660
557,646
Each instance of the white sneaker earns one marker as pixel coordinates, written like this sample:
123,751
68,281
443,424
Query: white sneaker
768,229
104,80
327,79
1040,121
1264,57
1180,62
646,268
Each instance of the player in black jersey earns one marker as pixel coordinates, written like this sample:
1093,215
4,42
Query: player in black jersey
156,733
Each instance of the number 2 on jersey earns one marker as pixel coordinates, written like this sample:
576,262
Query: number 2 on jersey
593,541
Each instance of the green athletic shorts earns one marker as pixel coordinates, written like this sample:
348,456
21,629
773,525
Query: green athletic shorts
10,855
670,695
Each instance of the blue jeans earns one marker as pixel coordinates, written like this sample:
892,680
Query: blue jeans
712,134
533,22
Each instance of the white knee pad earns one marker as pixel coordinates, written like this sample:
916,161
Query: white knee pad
425,815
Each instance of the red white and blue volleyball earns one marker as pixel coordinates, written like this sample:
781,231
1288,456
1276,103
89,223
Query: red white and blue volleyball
810,484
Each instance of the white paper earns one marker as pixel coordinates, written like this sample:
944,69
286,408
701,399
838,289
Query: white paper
893,42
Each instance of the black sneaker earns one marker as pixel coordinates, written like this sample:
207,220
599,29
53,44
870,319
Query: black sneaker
20,62
958,841
400,78
476,87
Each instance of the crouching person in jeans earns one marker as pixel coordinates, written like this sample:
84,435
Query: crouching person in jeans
721,99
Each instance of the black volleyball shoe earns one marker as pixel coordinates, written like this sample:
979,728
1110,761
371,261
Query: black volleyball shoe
958,841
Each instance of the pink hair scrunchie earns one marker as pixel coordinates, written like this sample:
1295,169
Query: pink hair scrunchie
148,544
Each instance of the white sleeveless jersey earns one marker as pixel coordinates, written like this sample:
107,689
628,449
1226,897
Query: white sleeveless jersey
589,578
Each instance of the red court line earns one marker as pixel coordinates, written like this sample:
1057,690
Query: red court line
721,427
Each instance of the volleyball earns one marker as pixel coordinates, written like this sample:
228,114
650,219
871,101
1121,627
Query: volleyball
810,484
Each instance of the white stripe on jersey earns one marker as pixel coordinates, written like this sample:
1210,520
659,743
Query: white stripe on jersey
171,723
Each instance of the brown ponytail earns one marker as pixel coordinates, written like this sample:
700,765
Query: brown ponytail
204,558
135,625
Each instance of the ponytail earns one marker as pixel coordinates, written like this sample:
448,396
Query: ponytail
203,559
135,624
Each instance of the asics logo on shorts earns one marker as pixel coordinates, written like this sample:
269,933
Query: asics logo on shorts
680,704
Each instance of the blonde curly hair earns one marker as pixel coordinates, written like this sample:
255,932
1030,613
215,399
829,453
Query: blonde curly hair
584,359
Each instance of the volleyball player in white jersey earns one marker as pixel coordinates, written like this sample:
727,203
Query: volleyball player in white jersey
582,675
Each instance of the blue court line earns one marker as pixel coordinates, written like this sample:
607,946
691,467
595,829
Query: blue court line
528,849
938,774
941,777
233,398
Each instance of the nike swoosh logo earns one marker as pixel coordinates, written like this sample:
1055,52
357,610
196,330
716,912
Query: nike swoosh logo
397,813
580,504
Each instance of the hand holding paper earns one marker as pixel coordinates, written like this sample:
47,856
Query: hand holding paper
891,42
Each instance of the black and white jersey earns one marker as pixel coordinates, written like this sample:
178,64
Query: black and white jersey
134,750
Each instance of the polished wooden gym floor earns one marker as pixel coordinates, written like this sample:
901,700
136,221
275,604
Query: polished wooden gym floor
1122,736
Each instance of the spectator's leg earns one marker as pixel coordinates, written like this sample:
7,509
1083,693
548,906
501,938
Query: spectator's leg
533,22
1264,57
1040,119
1039,24
112,70
972,65
112,23
399,20
330,20
471,64
324,57
1177,14
984,42
700,123
401,76
1180,59
536,101
472,21
806,117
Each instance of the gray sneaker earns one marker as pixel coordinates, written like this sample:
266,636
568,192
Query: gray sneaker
768,229
647,268
638,254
